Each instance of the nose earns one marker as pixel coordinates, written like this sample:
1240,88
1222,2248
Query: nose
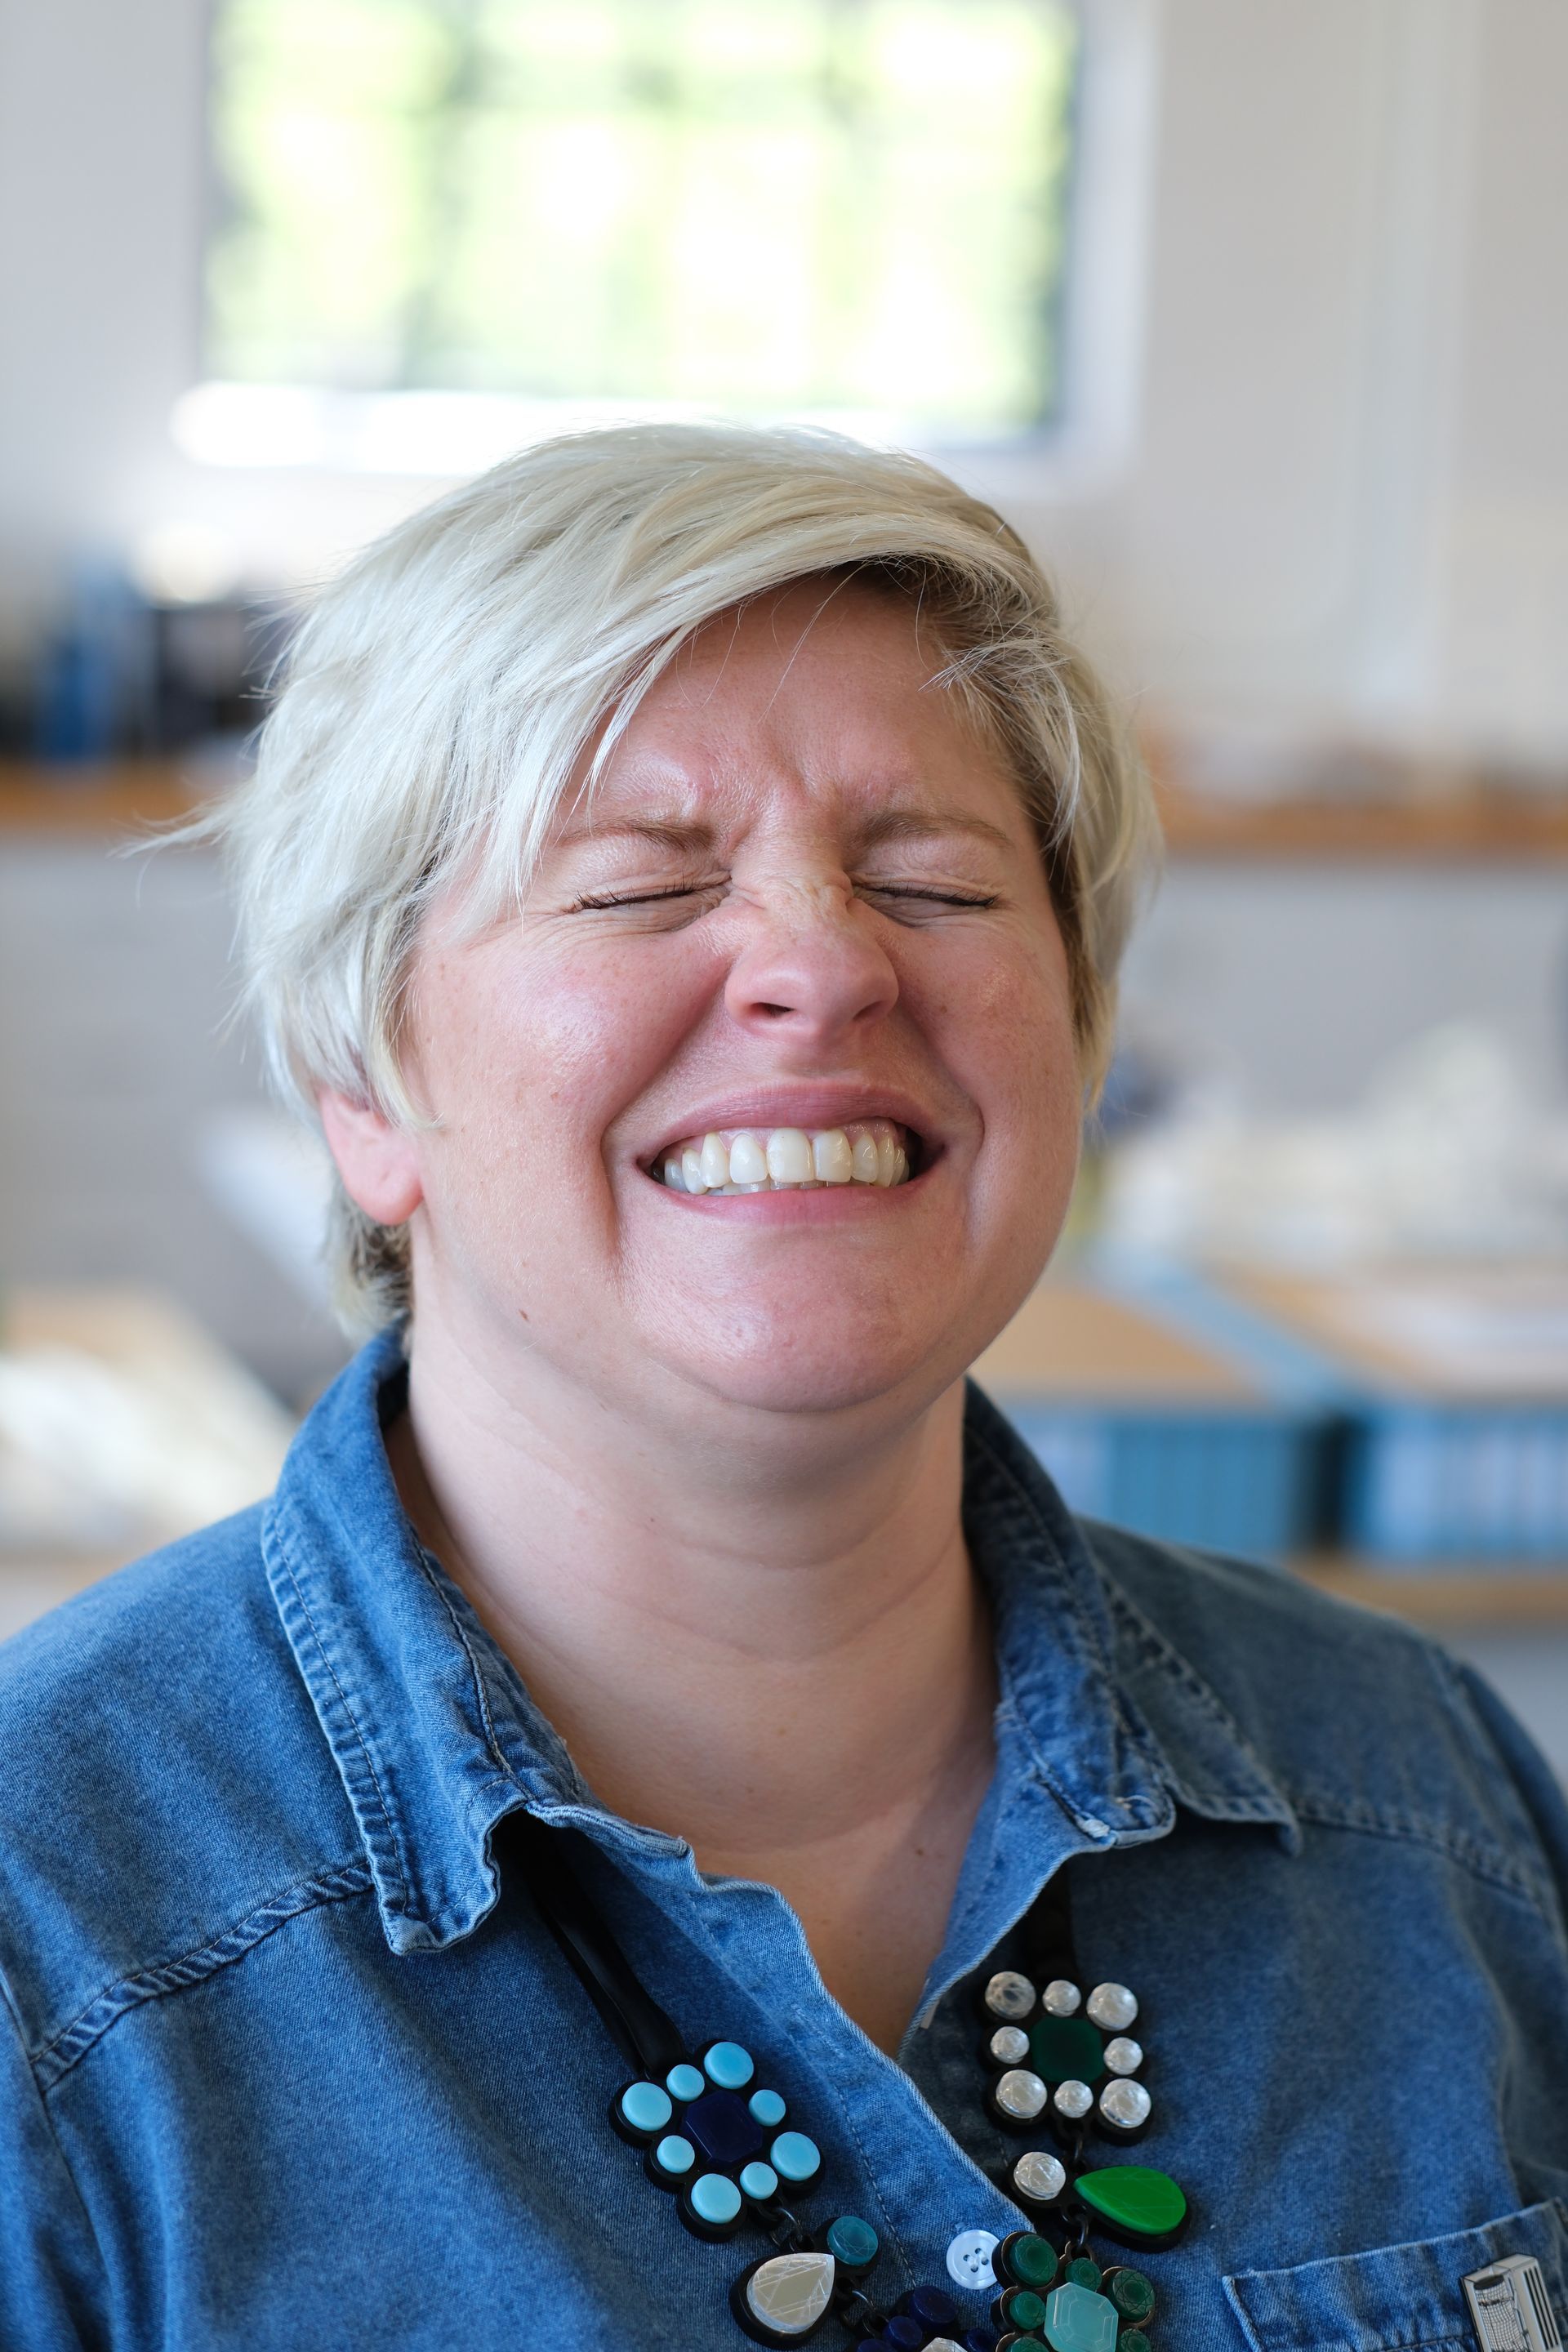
810,968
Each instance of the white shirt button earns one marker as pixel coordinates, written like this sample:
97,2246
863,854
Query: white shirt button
969,2258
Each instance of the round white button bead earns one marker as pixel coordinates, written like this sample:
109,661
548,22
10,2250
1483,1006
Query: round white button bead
1112,2006
1123,2056
1021,2095
1062,1999
969,2258
1073,2100
1009,2045
1126,2103
1039,2176
1009,1995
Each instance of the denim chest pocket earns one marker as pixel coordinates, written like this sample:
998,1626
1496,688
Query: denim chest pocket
1404,2298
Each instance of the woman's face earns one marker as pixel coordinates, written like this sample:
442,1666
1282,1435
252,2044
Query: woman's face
805,900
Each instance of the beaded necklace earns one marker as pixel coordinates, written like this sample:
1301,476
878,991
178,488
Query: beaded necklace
725,2148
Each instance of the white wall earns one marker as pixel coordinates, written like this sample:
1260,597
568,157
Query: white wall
1346,488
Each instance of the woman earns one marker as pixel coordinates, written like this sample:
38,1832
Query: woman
664,1831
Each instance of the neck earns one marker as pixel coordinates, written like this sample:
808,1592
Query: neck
780,1660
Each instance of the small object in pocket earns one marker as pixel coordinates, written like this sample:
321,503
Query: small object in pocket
1508,2307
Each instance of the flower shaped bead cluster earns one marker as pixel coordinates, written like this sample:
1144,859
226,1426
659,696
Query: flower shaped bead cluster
1059,2057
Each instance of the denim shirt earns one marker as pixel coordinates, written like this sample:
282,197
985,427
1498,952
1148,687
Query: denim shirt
292,2062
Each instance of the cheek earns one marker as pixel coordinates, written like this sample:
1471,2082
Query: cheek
530,1059
1006,1028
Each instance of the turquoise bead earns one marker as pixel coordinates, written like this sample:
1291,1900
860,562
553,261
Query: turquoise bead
685,2083
853,2243
675,2155
794,2155
767,2107
759,2182
729,2066
714,2199
646,2107
1076,2320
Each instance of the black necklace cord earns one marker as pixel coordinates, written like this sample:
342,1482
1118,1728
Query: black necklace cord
646,2036
1048,1948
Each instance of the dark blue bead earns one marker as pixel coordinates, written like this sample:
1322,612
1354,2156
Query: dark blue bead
931,2305
721,2127
980,2339
907,2333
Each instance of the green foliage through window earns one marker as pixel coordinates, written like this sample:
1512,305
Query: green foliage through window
763,206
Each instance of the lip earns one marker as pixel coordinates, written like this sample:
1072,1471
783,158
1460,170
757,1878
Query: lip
825,1102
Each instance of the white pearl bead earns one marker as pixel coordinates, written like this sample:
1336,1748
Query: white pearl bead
1112,2006
1009,2045
1021,2095
1126,2103
1062,1999
1073,2100
1039,2176
1009,1995
1122,2056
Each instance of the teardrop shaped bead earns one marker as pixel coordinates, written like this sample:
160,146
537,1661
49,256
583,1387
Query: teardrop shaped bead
791,2292
1134,2203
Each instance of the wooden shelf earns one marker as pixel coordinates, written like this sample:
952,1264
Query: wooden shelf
116,796
1449,1595
1450,828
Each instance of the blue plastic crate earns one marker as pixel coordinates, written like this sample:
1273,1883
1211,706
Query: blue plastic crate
1416,1477
1162,1430
1242,1482
1477,1483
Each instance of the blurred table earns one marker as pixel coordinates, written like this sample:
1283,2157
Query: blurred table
123,1426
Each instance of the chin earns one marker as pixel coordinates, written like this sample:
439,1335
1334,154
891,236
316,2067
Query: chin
818,1369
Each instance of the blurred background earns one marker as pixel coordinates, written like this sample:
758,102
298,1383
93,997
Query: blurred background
1250,316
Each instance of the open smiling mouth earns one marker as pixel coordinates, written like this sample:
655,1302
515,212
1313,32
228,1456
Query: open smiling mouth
790,1159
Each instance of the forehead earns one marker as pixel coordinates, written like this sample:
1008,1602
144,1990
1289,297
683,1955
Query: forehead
828,690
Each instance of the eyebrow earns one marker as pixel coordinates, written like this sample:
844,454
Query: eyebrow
664,833
887,826
926,824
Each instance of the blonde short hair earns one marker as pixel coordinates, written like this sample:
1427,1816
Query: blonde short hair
439,699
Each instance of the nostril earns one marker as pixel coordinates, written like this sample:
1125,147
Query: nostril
774,1012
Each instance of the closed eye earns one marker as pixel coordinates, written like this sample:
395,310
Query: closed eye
606,899
932,896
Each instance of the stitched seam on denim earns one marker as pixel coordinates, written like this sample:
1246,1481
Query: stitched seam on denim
1481,1862
393,1840
55,2059
1158,1652
491,1742
1025,1502
14,2025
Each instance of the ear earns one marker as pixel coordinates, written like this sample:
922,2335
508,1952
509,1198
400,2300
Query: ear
378,1162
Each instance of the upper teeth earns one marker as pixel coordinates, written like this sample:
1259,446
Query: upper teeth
774,1159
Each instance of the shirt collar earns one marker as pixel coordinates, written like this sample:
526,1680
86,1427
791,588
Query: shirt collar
436,1736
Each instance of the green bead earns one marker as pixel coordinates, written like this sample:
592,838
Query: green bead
1133,2339
1077,2321
1132,2294
1024,2308
1031,2261
854,2243
1084,2272
1065,2049
1134,2198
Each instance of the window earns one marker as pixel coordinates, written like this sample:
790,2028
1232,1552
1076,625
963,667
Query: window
849,209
